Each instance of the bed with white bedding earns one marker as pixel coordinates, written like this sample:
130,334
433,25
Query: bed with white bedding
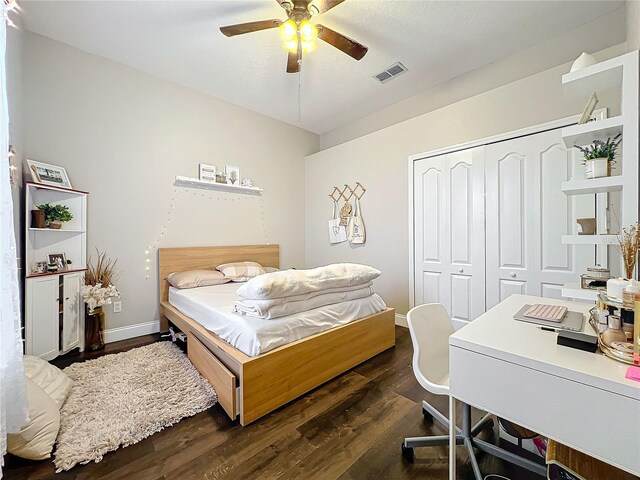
212,307
290,358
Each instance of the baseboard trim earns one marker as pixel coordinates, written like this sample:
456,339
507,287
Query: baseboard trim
401,320
130,331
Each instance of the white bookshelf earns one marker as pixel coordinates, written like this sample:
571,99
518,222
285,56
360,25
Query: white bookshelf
587,186
573,291
594,130
621,74
589,239
54,310
70,239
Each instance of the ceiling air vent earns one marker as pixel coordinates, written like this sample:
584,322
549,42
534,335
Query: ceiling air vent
391,72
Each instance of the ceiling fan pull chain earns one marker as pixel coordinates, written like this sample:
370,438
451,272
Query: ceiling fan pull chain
300,97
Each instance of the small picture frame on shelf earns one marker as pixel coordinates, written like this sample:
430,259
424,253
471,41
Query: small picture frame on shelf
40,267
47,174
57,259
233,175
207,172
221,177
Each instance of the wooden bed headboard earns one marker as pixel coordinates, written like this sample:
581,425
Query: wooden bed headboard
182,259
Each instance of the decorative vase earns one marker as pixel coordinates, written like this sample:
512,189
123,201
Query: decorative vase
38,219
597,167
94,328
583,61
55,224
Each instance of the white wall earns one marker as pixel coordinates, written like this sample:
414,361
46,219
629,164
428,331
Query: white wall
379,162
562,48
633,24
124,135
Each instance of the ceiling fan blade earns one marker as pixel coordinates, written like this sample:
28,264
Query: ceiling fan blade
345,44
293,66
242,28
326,5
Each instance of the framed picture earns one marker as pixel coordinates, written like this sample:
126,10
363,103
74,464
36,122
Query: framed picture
41,267
58,259
207,172
48,174
233,175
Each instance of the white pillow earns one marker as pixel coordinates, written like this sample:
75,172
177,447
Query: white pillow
51,379
241,271
196,278
35,441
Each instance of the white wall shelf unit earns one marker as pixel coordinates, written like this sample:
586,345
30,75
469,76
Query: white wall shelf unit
589,239
573,291
221,187
54,310
618,194
595,78
595,130
593,185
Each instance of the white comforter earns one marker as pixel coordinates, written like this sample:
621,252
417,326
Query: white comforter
280,307
289,283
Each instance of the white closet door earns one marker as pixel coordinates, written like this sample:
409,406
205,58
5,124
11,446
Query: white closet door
449,233
431,260
526,214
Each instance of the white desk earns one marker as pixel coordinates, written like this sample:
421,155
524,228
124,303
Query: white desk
517,371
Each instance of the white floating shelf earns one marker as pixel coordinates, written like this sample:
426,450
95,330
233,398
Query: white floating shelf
592,185
589,239
573,290
221,187
596,78
597,130
64,230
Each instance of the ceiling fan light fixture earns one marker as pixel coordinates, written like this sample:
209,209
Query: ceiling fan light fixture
308,32
308,46
288,31
291,46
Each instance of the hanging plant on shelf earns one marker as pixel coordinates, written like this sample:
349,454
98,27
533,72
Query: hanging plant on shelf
55,215
629,242
599,157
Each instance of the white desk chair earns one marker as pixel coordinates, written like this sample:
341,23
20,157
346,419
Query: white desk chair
430,327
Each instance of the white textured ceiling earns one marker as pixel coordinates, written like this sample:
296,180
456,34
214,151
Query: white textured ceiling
180,41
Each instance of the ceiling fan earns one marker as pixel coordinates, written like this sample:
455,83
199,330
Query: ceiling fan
299,33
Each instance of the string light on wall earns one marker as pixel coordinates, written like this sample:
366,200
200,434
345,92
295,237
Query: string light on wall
148,252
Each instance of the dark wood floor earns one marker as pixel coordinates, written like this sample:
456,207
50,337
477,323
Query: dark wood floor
350,428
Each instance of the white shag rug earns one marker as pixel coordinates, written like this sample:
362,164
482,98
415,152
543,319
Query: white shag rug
119,399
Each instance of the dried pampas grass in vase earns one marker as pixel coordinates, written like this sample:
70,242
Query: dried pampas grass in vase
629,241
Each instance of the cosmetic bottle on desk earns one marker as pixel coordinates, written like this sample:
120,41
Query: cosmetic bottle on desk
614,332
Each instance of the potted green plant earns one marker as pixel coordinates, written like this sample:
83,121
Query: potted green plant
55,215
599,157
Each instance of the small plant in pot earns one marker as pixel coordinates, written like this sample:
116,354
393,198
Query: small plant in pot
55,215
599,157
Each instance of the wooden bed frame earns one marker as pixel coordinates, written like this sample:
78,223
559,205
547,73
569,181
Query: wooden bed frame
254,386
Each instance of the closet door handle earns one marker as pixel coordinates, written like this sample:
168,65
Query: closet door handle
461,270
513,274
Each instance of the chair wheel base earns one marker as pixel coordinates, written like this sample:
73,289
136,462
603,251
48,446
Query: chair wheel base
427,416
407,453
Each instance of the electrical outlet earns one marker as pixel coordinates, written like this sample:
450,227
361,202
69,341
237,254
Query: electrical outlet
117,307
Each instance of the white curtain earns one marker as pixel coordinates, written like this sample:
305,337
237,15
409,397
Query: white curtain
13,402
